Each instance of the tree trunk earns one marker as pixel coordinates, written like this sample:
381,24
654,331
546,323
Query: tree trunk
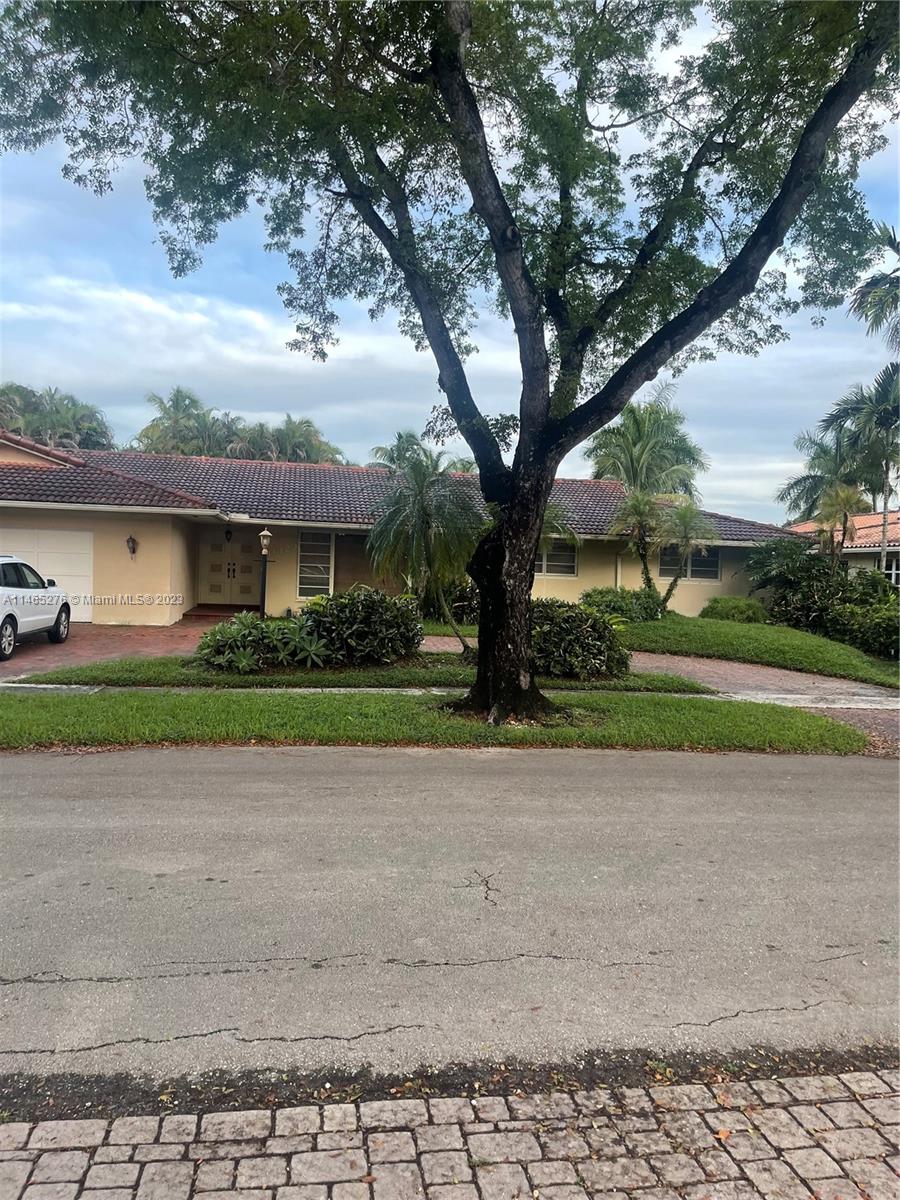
670,591
886,499
448,617
644,555
503,569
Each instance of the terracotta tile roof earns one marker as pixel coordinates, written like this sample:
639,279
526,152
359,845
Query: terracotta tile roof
337,495
89,484
25,443
274,491
868,529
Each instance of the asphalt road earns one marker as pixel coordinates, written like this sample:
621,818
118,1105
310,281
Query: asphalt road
176,910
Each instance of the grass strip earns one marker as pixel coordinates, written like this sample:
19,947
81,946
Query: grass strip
132,718
429,670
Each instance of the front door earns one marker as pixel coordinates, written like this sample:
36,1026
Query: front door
229,567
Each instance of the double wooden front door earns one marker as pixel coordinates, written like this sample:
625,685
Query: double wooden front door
229,567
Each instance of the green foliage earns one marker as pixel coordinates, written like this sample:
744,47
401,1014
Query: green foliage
248,643
743,609
462,600
569,640
53,418
364,625
869,418
877,299
350,105
830,463
647,449
184,425
801,588
874,628
632,604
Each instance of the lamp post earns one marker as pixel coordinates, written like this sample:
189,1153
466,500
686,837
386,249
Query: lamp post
265,540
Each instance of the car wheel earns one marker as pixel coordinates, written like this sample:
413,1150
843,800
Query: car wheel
7,638
60,630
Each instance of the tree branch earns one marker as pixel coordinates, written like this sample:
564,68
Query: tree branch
740,277
401,249
490,203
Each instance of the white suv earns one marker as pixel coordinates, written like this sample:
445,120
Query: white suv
29,604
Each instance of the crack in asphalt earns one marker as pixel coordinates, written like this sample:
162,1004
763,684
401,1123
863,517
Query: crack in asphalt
484,882
479,962
250,967
749,1012
207,1033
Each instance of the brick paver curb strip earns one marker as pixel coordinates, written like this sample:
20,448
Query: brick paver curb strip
823,1136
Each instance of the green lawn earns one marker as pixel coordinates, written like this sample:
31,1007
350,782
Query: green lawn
428,670
773,645
131,718
439,629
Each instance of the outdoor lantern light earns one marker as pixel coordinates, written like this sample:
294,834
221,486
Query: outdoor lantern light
131,543
265,540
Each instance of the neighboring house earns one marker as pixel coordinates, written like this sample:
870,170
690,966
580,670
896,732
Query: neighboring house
141,539
863,550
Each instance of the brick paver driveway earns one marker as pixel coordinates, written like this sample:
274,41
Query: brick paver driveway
92,643
829,1137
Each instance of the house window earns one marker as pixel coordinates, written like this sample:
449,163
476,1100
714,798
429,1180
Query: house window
892,571
316,563
701,565
558,558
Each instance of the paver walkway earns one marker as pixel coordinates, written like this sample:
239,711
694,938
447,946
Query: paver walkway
94,643
824,1136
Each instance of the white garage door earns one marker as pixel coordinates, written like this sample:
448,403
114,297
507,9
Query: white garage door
62,554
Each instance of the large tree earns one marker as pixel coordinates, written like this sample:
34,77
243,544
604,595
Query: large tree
431,157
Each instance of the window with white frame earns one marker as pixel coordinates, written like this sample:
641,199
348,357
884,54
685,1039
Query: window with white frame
701,565
892,571
559,557
316,563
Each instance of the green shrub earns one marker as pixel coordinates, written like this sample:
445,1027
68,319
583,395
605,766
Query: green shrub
248,643
634,605
870,627
365,626
571,640
463,600
743,609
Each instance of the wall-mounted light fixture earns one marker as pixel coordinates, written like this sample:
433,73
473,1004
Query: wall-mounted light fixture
229,534
131,543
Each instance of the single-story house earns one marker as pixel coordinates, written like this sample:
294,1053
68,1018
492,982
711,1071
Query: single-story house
863,550
143,539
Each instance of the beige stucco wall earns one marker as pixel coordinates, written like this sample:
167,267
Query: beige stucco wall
15,454
597,568
161,566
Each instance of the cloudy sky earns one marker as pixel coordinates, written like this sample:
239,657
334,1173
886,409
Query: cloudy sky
89,306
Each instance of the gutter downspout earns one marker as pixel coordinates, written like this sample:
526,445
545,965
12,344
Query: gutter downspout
618,569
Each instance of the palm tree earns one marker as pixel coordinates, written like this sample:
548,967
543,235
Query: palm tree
406,445
648,450
426,529
838,506
638,520
877,299
174,429
685,527
870,419
829,464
